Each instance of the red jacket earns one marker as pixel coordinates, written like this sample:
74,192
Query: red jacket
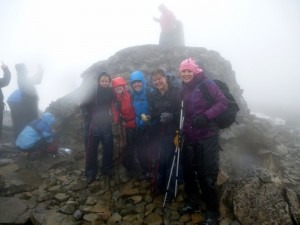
167,21
123,111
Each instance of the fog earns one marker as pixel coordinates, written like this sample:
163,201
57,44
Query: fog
259,38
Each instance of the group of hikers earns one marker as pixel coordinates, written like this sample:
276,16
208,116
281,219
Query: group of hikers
151,117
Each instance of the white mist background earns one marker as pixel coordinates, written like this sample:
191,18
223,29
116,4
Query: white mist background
259,38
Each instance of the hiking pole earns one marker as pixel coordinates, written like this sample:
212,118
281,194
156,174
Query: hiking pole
176,157
171,173
180,144
177,166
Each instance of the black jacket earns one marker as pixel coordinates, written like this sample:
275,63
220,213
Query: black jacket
170,102
96,107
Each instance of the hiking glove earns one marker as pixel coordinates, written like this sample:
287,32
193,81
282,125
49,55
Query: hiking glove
199,121
145,118
166,117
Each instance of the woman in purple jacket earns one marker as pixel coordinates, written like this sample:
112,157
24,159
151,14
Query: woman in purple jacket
200,154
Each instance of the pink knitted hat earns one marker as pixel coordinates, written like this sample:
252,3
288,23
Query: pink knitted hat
190,64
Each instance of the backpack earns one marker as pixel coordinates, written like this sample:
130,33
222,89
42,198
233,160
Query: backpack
227,118
173,80
53,147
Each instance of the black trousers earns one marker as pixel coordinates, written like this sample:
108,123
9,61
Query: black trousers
200,171
143,145
18,120
165,157
91,155
129,161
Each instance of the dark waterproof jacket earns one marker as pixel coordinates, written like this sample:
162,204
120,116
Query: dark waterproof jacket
97,108
196,104
169,102
27,84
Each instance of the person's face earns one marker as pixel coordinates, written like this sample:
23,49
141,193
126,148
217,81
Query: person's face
119,89
160,82
186,75
104,81
137,85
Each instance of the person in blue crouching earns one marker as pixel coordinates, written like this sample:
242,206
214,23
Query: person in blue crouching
37,135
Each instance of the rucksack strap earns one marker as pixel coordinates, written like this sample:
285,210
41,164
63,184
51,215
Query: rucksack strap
204,90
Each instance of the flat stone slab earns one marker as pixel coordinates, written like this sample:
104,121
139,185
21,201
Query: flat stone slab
13,210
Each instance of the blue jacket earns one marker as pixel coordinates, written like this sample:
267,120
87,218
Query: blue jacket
35,131
15,97
139,99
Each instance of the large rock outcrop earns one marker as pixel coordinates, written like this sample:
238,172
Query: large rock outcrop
260,162
145,58
150,57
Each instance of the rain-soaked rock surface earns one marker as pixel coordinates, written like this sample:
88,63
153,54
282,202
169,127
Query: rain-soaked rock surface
258,182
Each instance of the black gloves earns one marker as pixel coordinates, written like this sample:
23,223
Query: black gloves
199,121
166,117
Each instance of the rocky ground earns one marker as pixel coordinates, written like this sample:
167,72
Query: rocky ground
53,190
259,184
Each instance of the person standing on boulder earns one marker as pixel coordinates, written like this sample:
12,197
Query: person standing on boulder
167,23
200,153
96,110
4,81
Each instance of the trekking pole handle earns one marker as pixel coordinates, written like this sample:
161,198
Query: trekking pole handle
181,116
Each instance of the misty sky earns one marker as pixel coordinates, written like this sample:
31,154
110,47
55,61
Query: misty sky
259,38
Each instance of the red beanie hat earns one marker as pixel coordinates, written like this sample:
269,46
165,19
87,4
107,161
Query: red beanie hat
190,64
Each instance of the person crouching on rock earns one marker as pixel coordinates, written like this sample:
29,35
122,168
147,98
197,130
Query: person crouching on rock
36,137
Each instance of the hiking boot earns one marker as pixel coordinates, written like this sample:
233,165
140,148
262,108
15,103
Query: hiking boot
144,176
210,222
189,208
169,199
106,172
212,218
32,156
90,179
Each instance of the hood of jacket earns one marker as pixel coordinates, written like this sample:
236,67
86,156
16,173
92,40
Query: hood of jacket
138,76
48,118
